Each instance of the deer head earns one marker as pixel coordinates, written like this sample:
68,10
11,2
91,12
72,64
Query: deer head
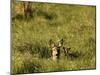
55,47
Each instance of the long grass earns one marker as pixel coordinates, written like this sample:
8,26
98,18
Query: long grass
30,37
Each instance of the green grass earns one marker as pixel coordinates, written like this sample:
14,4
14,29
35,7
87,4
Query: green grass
30,38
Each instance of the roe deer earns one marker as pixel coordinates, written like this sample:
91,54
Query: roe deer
70,54
55,49
66,51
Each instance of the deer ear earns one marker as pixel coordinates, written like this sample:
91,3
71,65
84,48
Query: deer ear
51,43
60,43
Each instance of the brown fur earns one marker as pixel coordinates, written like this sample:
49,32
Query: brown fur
55,49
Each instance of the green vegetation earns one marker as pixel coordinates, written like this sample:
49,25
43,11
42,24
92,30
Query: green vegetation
30,48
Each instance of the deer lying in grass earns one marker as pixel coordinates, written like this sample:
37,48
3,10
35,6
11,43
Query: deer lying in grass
56,49
66,51
70,54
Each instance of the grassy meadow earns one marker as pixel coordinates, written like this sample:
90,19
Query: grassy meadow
30,37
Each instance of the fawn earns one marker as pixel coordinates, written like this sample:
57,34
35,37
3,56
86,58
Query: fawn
70,54
56,49
66,51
